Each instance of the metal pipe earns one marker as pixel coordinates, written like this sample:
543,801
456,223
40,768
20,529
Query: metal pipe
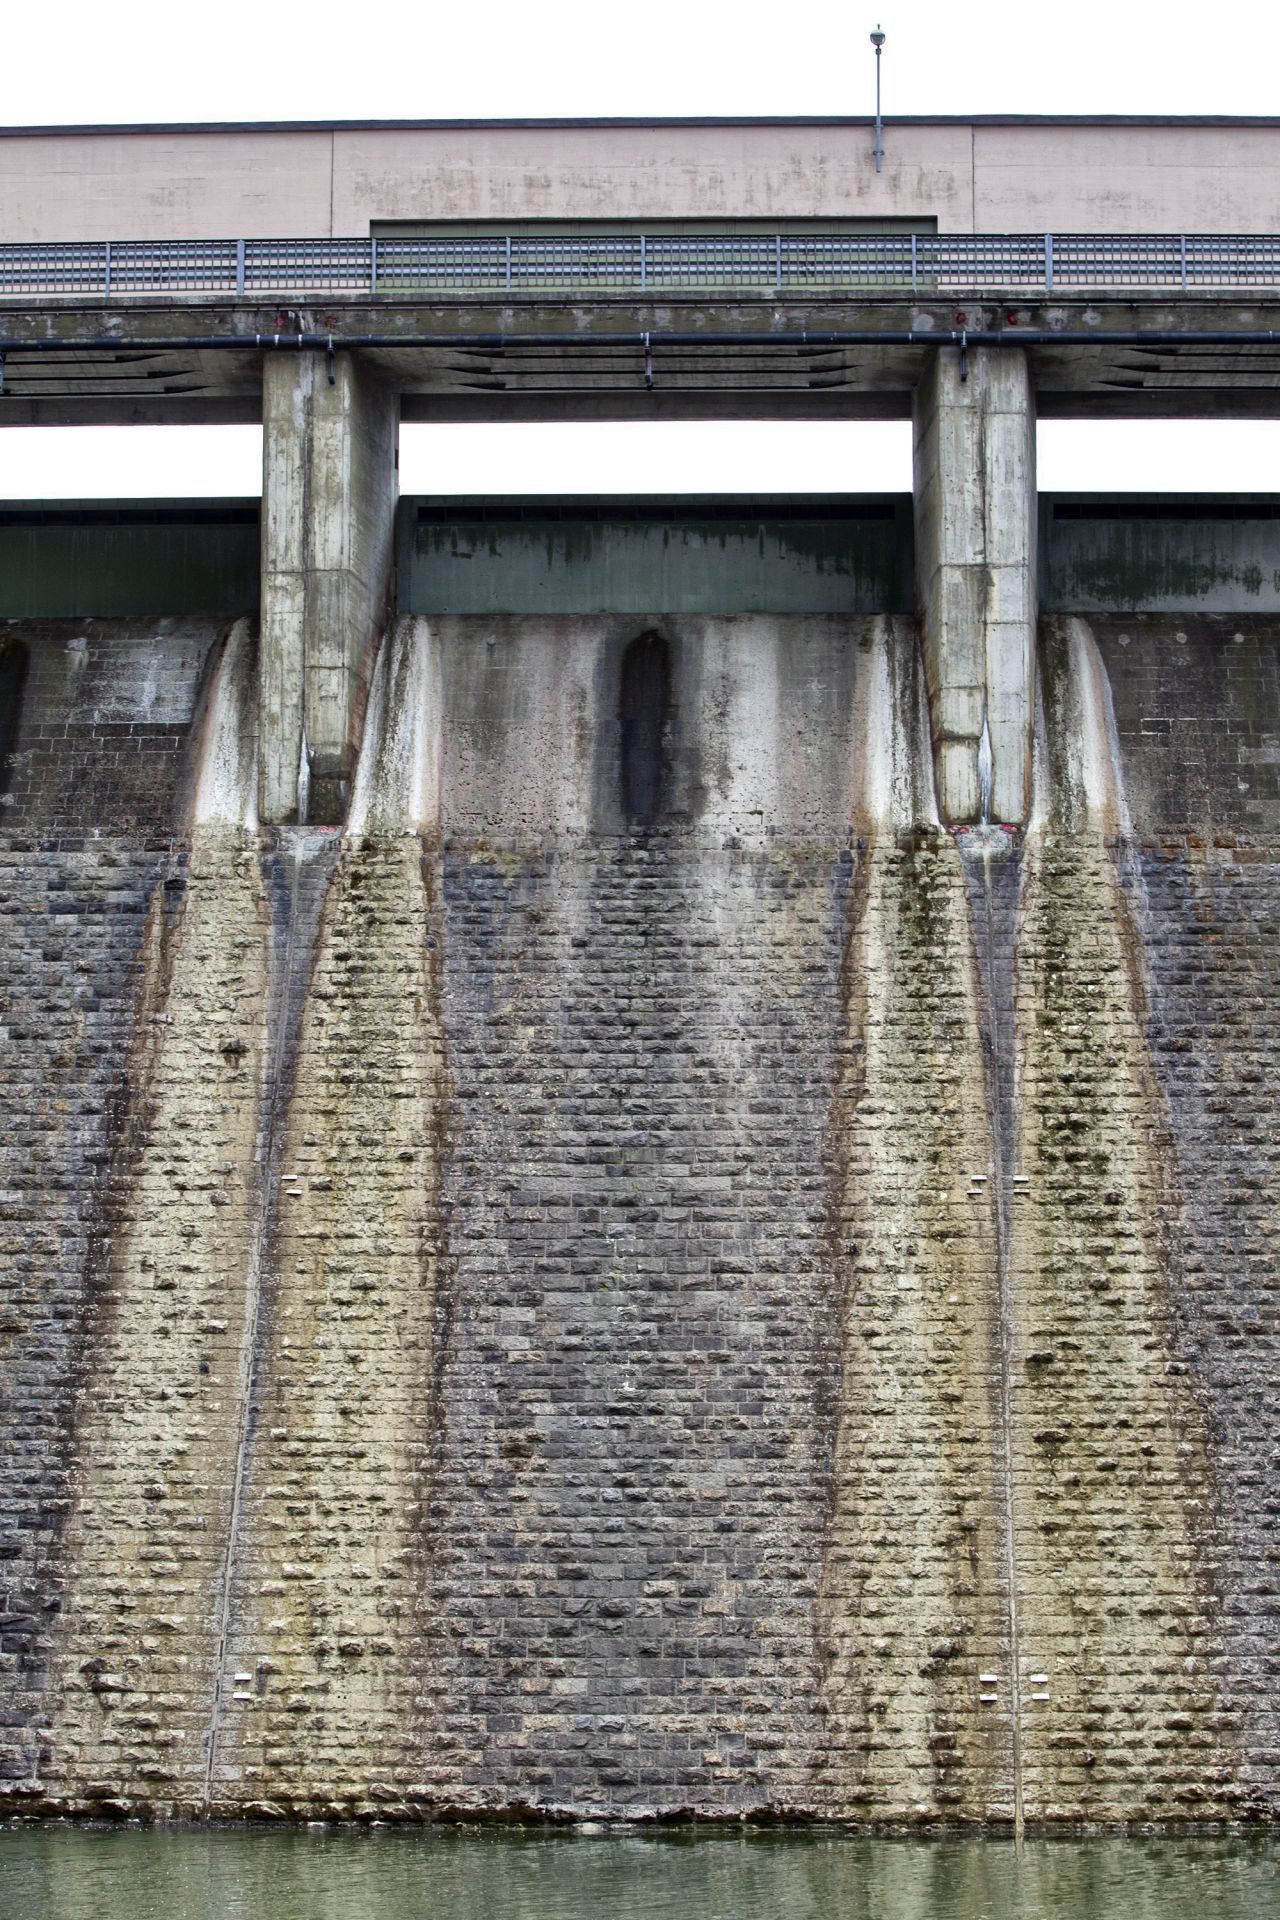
877,41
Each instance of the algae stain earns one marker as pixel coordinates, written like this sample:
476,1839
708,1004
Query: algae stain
1121,1716
154,1437
327,1590
911,1604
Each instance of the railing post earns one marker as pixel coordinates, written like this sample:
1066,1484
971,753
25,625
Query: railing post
644,264
1182,249
507,252
777,262
915,266
240,269
1048,263
373,263
106,270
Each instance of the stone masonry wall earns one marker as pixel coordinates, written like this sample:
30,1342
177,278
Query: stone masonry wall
914,1600
98,749
106,714
322,1664
158,1422
1198,719
652,1278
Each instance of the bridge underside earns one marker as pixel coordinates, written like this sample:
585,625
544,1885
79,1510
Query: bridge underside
201,363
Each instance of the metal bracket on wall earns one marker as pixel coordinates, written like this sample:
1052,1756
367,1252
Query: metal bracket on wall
964,358
332,362
648,364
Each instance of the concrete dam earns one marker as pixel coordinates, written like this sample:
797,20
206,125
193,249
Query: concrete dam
640,1271
640,1161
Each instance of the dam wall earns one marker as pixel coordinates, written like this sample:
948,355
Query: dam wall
637,1272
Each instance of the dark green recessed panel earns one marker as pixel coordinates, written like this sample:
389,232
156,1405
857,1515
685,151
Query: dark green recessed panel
851,554
71,560
1160,553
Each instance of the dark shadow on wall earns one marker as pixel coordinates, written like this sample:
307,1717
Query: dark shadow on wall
644,702
13,677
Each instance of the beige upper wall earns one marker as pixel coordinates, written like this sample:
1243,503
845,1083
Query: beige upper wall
1127,179
992,176
164,186
646,172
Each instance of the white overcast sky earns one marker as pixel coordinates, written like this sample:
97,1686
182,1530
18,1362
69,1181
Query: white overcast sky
242,60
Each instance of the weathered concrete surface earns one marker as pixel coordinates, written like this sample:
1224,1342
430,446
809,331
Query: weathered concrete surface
687,555
975,508
328,509
106,711
1160,554
72,558
1084,369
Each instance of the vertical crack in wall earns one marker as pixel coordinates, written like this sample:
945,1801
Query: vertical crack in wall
323,1648
913,1612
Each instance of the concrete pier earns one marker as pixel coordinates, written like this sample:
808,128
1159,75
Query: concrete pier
329,487
975,523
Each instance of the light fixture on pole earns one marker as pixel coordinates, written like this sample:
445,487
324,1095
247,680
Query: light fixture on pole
877,41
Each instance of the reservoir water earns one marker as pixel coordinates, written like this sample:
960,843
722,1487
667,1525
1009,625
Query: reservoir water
470,1874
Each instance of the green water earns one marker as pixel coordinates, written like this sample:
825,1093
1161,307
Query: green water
77,1874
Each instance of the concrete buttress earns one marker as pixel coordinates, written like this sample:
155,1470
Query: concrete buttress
975,520
329,486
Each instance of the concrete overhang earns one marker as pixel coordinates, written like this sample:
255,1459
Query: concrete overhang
543,359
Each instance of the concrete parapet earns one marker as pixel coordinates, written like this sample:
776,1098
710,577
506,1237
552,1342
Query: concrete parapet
328,509
975,523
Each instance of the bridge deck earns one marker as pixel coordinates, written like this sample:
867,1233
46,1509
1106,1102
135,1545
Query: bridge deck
592,324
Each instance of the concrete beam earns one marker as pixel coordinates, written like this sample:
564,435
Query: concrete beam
975,520
329,486
140,363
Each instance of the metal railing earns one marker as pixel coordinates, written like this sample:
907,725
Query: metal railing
949,265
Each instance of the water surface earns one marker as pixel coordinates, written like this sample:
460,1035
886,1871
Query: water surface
461,1874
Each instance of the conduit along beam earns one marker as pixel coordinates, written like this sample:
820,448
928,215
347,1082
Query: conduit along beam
654,337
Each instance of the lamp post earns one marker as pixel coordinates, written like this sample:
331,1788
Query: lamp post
877,41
